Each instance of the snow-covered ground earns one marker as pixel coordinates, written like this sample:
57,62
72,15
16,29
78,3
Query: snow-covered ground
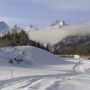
41,70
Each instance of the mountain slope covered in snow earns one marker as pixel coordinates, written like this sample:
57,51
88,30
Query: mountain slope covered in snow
3,27
74,44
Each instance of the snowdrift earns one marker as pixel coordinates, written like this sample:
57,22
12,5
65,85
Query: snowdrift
81,66
28,55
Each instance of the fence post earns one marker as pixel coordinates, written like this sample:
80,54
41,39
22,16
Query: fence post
11,73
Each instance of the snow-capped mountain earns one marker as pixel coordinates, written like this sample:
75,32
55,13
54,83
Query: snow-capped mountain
57,31
54,34
3,27
58,23
30,27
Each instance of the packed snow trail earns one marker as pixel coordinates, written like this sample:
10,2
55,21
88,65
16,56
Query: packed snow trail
78,82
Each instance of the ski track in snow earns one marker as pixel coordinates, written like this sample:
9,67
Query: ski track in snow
41,83
32,84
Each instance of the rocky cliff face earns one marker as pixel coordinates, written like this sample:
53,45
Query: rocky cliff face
3,27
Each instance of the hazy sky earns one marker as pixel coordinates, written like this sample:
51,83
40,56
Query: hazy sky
43,12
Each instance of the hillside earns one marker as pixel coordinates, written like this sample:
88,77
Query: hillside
76,44
40,70
28,55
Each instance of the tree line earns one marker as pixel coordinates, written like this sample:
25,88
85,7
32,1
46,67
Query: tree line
71,45
18,37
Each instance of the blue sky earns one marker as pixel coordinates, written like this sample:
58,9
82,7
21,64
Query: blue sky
43,12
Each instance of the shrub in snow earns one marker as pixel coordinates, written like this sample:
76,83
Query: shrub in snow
18,60
15,60
88,58
11,61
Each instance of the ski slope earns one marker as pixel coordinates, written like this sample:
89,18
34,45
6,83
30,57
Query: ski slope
41,70
54,34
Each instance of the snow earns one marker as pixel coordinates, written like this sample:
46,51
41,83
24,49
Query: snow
78,68
42,70
29,53
77,56
81,66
